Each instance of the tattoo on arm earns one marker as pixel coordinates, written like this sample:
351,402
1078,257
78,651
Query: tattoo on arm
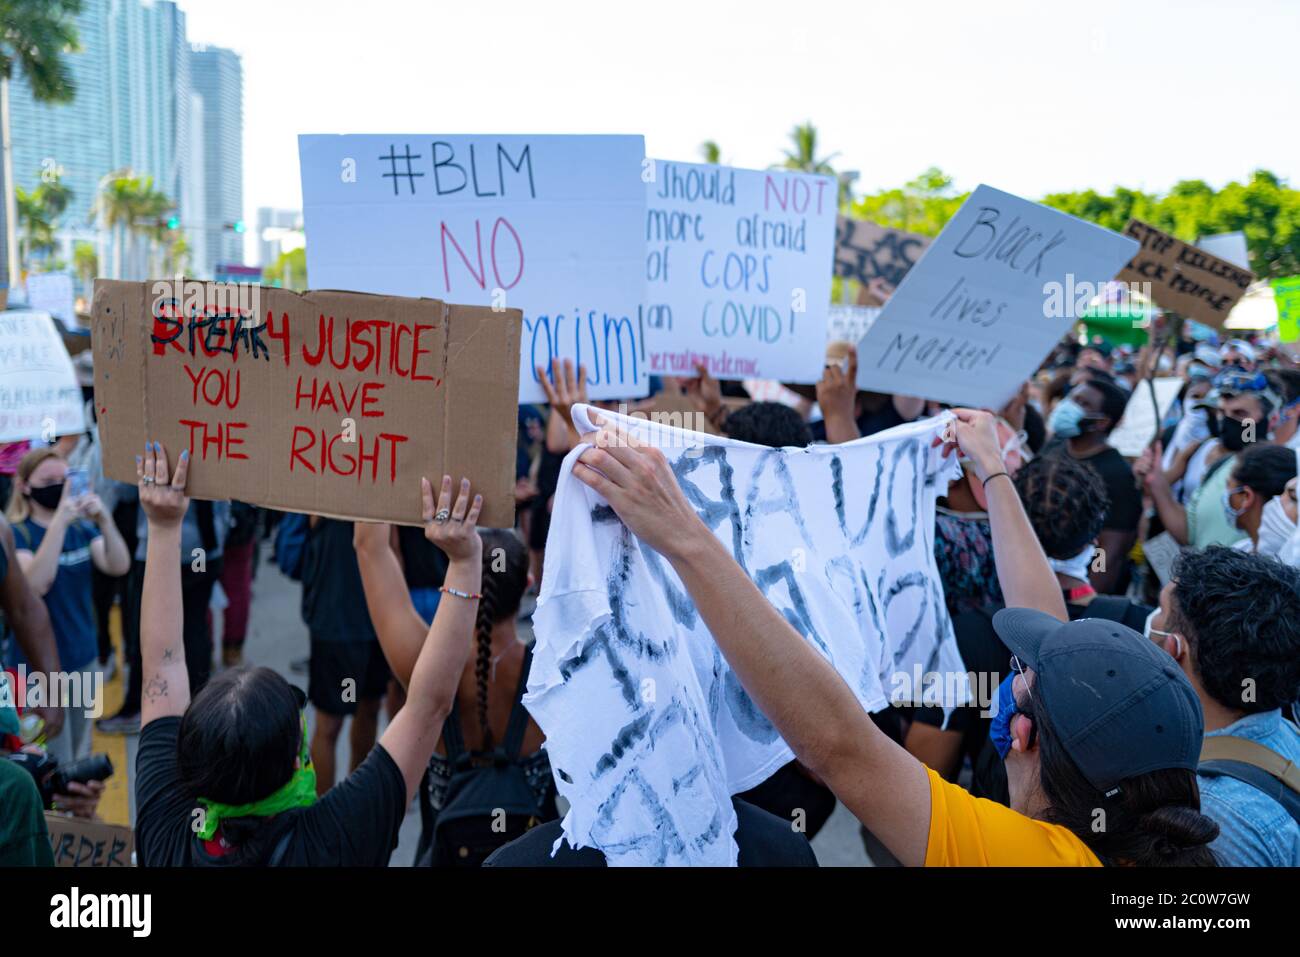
169,654
155,688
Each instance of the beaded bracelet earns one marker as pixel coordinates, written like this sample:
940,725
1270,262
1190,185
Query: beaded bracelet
458,593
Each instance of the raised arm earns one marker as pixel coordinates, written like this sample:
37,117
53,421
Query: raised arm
399,626
1026,578
411,736
815,711
166,686
30,620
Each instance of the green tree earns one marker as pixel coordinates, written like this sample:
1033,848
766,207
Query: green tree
38,218
922,205
711,152
35,37
803,156
85,263
129,207
289,270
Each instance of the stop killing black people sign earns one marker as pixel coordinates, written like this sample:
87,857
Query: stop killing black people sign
995,291
334,403
1183,278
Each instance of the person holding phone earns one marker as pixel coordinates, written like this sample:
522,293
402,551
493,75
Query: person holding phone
59,535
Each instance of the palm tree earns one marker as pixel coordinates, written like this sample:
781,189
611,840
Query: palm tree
85,262
711,152
38,215
35,36
803,156
128,205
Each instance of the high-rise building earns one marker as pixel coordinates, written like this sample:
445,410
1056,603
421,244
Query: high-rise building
217,77
278,231
137,107
74,140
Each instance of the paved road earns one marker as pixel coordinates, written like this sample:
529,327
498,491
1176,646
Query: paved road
277,637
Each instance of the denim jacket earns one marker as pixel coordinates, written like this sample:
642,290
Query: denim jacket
1254,830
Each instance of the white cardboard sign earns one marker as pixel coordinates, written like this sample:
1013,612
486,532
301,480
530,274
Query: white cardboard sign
738,267
551,225
993,293
39,394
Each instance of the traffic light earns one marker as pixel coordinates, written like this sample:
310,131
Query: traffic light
173,222
239,225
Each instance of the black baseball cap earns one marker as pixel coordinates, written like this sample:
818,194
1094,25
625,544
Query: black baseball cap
1120,704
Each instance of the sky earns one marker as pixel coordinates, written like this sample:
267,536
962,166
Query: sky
1030,97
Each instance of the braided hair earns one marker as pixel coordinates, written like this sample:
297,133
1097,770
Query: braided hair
1065,500
505,576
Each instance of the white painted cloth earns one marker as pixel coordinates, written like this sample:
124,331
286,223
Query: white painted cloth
649,731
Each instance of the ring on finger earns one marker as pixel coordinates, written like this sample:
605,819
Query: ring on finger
147,479
441,517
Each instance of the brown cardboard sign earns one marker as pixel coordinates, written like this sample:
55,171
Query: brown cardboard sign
865,251
77,842
331,403
1183,278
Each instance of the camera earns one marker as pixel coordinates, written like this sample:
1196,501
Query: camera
51,779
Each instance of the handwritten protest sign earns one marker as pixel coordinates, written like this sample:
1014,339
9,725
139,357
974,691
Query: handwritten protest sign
850,323
52,292
551,225
995,291
1183,278
648,729
738,271
1137,426
333,403
77,842
865,251
39,394
1286,293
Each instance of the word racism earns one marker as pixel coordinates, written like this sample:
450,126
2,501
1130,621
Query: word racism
334,388
840,539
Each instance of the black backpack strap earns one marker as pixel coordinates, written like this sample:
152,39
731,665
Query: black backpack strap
518,725
281,847
452,737
1257,778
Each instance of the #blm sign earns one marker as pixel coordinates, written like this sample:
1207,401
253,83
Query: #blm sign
333,403
1183,278
550,225
995,291
39,394
77,842
865,251
738,271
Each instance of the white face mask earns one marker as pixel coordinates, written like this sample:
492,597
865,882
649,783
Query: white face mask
1275,528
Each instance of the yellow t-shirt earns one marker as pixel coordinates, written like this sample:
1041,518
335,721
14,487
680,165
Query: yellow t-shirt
966,831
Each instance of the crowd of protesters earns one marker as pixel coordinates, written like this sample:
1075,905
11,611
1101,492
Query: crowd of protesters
1046,545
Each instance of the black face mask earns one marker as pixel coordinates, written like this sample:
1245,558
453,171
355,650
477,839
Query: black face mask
48,496
1232,433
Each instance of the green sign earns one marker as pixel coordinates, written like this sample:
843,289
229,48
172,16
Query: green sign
1286,293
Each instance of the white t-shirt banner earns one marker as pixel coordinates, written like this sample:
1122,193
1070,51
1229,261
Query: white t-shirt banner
972,320
648,730
738,267
551,225
39,394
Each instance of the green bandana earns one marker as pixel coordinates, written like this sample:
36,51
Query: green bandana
299,791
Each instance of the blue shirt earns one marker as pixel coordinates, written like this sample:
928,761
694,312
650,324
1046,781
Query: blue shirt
70,598
1254,830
